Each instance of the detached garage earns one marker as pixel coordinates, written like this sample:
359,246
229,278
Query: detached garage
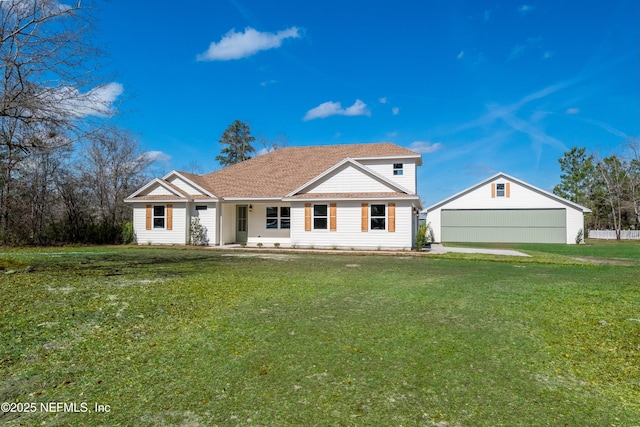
505,209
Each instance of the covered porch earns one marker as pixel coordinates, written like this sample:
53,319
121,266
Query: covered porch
250,222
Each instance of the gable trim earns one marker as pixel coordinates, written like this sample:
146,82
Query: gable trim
355,164
190,182
503,175
160,182
417,158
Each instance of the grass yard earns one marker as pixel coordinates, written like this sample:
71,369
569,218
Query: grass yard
184,337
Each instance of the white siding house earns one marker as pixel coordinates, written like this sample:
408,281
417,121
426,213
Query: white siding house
505,209
343,196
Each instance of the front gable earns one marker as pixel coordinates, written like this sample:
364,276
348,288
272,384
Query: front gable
157,189
186,185
502,191
349,176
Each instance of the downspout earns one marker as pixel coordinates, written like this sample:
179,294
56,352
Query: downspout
220,215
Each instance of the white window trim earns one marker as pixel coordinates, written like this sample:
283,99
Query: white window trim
278,218
386,216
163,216
314,216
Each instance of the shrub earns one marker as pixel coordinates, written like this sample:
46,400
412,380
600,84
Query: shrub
580,237
421,237
431,237
198,232
276,244
260,244
127,233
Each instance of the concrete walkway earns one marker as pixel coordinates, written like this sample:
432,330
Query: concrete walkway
437,248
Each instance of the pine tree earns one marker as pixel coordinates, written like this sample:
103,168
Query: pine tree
578,171
238,139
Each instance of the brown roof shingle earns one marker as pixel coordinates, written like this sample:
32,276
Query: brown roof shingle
278,173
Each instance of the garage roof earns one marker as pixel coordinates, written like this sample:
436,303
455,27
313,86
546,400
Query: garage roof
511,179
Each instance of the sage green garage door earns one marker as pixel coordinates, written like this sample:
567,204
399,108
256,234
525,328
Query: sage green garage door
517,225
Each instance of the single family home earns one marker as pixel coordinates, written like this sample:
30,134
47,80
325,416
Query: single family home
340,196
505,209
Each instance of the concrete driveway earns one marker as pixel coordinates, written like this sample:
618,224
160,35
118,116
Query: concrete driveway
438,248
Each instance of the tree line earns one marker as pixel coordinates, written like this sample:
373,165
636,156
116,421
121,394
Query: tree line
609,186
65,168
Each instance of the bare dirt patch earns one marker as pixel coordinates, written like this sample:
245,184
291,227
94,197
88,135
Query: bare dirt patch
608,261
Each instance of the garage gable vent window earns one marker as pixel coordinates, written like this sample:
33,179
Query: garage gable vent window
397,169
501,190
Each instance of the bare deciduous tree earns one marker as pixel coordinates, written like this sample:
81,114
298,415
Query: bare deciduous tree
633,146
49,69
613,173
113,167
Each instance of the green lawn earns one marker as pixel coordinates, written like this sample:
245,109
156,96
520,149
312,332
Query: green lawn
177,337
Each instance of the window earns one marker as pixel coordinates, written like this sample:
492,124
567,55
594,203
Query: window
278,216
201,208
397,169
285,217
499,190
320,217
272,217
378,217
158,216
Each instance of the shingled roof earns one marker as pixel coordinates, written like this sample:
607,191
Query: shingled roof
280,172
277,174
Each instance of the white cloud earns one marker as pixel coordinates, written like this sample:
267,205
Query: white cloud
156,157
460,55
425,147
573,110
97,102
486,15
358,108
331,108
383,100
547,54
268,82
525,8
241,45
395,111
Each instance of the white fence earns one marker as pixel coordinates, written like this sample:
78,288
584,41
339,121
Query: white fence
611,234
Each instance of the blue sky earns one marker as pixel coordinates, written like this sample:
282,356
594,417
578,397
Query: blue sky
476,86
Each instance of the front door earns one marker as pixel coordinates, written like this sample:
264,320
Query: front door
241,223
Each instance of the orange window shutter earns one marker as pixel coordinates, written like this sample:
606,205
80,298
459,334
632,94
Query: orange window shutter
169,217
508,189
392,217
365,217
493,190
307,217
149,209
332,217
